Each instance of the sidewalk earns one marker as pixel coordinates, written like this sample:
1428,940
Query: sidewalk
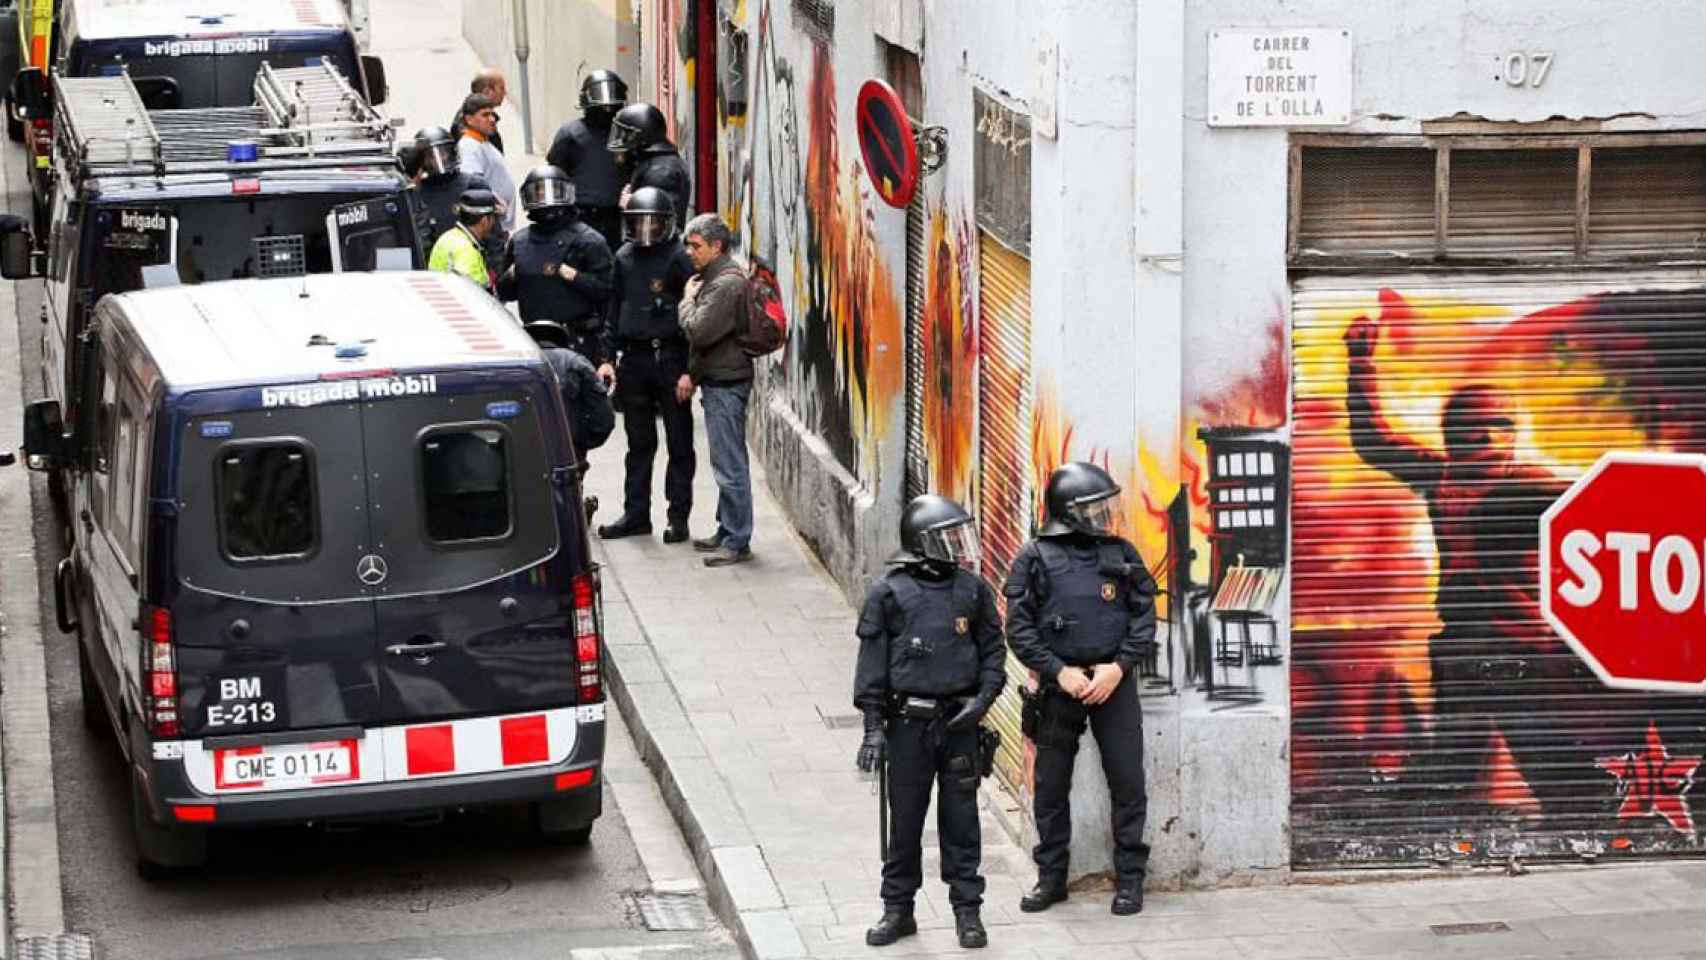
737,684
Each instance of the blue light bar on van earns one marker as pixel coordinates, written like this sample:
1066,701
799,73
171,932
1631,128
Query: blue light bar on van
216,428
503,410
350,351
242,151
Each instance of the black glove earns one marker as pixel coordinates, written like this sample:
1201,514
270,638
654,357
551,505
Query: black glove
969,716
875,746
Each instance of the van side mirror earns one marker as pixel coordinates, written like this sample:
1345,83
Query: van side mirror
30,93
377,89
46,446
17,256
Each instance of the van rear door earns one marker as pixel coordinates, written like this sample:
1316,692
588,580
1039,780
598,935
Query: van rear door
274,622
475,617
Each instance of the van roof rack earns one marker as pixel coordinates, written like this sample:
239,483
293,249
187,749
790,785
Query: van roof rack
302,118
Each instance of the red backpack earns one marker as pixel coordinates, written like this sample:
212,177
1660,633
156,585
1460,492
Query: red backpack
766,319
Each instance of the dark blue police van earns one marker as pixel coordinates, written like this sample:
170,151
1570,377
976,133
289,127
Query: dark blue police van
331,561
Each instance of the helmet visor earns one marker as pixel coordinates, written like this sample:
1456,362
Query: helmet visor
952,544
623,138
1099,517
648,228
603,93
439,159
547,192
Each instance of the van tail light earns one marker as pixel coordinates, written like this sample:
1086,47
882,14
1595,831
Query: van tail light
589,669
159,673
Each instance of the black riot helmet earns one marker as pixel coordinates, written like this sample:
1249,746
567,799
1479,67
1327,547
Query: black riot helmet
934,529
649,218
636,127
436,150
603,90
547,333
1080,498
546,188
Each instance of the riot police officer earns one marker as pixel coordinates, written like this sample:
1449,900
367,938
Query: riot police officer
930,664
650,362
579,150
442,182
560,268
1081,613
639,137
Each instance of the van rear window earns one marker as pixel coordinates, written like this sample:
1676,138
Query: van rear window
266,501
466,479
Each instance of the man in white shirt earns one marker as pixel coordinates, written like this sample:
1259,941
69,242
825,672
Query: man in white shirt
480,158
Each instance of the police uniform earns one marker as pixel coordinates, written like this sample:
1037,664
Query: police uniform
535,252
662,167
438,197
459,252
1078,601
645,334
925,647
579,150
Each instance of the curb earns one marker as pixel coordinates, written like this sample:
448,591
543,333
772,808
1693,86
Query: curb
29,881
740,887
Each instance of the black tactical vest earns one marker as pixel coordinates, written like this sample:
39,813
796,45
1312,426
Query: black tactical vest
934,653
1083,615
585,156
650,295
542,295
666,171
438,200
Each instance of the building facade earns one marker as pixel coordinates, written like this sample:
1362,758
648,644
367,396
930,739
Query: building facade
1344,294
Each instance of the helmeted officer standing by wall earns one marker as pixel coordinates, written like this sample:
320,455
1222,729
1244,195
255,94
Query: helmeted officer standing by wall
648,360
639,138
930,664
1081,613
581,150
560,268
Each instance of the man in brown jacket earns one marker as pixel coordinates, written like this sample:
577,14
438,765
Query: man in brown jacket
713,313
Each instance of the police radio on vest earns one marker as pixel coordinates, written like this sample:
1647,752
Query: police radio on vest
1672,570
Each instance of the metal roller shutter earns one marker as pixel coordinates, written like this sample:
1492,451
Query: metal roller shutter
1004,451
1435,715
917,455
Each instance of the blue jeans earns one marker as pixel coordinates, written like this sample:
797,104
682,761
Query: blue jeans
725,431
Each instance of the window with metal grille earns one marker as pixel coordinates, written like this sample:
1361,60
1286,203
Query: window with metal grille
1488,200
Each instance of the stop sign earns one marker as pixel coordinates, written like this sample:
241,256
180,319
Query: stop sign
1621,570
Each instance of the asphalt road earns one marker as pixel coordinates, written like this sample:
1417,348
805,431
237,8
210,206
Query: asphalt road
473,886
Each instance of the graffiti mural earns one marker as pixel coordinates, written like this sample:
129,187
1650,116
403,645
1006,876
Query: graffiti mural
950,359
846,366
1435,714
765,194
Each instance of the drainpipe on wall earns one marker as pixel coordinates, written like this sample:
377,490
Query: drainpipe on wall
521,51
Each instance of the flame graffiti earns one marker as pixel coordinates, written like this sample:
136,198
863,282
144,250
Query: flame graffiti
851,366
950,359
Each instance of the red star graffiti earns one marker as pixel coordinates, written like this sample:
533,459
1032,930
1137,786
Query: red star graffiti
1654,783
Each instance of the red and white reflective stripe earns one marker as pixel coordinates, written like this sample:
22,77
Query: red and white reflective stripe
480,745
389,754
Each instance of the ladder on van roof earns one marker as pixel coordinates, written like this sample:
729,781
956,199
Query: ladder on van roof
302,118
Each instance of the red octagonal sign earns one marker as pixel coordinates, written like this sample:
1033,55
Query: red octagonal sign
1621,570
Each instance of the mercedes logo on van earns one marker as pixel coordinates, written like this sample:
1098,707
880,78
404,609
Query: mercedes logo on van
371,570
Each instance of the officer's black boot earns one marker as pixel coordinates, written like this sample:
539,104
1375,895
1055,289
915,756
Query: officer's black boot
1128,899
970,928
897,922
1048,892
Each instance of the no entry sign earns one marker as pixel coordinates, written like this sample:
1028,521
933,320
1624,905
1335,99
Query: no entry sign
886,142
1621,570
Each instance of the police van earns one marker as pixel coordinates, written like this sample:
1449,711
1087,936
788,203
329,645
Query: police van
191,53
331,562
303,180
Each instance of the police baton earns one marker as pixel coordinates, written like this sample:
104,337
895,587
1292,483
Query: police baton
883,809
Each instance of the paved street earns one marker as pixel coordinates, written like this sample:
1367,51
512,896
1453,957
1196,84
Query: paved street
735,673
475,886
